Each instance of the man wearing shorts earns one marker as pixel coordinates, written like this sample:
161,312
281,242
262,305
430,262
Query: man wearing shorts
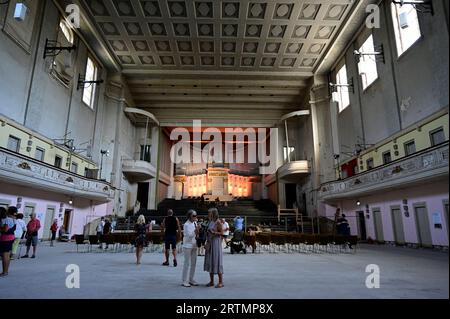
32,235
172,228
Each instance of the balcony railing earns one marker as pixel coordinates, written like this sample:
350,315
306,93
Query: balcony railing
419,167
23,170
294,170
138,170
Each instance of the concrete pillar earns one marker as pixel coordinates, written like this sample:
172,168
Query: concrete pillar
323,157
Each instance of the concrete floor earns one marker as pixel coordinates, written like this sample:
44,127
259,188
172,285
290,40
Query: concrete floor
405,273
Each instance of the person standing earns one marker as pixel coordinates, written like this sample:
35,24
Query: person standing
21,229
53,230
141,230
238,223
32,235
171,227
213,248
100,231
226,231
107,230
190,233
201,238
7,229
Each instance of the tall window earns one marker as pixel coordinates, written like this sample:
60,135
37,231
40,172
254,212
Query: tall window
410,148
65,29
14,144
342,95
387,158
406,26
89,90
74,168
367,64
39,154
370,163
146,153
58,161
289,153
437,136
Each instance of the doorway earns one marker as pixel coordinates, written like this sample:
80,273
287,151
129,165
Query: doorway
362,225
67,220
422,225
49,217
291,195
378,223
397,225
142,194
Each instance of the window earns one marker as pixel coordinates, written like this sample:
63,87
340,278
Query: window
410,148
39,154
289,153
58,161
65,29
370,163
63,64
74,168
406,26
146,153
437,136
367,65
89,89
14,144
29,209
342,94
387,158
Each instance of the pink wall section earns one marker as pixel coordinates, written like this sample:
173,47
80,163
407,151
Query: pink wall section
433,195
84,210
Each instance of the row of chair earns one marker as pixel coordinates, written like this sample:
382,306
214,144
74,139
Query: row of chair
267,241
120,241
298,242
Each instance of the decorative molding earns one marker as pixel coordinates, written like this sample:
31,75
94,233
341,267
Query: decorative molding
39,175
425,165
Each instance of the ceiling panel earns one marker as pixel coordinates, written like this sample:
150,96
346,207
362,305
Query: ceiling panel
247,35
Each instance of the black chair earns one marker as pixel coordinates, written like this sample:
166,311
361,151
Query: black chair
79,240
93,240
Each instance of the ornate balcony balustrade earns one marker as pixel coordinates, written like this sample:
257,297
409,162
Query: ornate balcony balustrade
426,165
19,169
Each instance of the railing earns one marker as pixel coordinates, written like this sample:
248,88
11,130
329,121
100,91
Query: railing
16,167
422,165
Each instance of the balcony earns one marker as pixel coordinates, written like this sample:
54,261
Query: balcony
138,171
294,171
427,165
25,171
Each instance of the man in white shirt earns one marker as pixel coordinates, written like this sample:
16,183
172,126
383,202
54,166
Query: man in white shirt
226,231
190,233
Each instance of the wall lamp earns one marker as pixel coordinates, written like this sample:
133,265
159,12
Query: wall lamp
423,6
358,203
334,87
82,82
379,54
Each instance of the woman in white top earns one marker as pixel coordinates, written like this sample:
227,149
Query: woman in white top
190,233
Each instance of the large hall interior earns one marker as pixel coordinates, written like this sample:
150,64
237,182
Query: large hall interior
294,115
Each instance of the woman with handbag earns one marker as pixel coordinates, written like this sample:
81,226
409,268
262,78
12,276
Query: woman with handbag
213,248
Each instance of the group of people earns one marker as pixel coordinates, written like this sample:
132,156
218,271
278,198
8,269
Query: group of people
105,227
12,230
196,234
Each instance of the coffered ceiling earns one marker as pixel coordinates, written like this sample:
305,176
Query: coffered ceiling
246,35
224,61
